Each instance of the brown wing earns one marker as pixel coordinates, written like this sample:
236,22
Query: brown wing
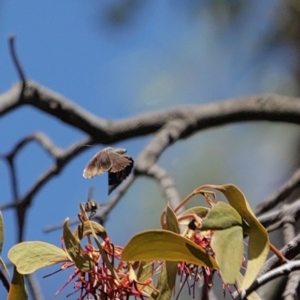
99,164
118,162
115,179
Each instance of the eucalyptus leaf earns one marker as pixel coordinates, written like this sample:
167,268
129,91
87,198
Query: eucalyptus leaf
84,229
166,281
31,256
200,211
258,246
165,245
229,248
104,255
171,220
221,216
81,259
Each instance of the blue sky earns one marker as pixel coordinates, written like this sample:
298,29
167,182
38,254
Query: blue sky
164,57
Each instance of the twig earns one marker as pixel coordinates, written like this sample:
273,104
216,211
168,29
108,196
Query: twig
280,271
273,219
277,253
167,184
291,250
20,217
34,287
283,192
61,161
39,137
146,162
16,61
4,280
294,277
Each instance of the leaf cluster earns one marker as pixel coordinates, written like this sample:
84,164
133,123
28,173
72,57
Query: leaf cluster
200,241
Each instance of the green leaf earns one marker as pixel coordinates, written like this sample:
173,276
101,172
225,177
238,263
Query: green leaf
221,216
166,281
81,259
1,232
103,255
200,211
228,247
31,256
83,230
171,220
167,276
17,288
165,245
258,246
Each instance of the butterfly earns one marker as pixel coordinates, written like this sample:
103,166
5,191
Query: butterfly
113,161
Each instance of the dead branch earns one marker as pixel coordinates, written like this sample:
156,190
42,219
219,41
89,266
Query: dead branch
282,194
274,219
289,233
274,108
279,271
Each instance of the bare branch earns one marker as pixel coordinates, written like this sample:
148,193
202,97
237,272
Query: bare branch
61,161
16,61
39,137
167,184
11,99
290,251
198,117
280,271
34,287
294,277
146,162
4,280
290,292
282,194
274,218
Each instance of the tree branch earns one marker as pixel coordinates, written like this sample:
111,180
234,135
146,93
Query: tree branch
16,60
280,271
294,277
61,160
274,108
290,251
273,219
282,194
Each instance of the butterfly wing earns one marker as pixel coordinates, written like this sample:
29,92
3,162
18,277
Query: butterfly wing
118,162
115,179
99,164
121,151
